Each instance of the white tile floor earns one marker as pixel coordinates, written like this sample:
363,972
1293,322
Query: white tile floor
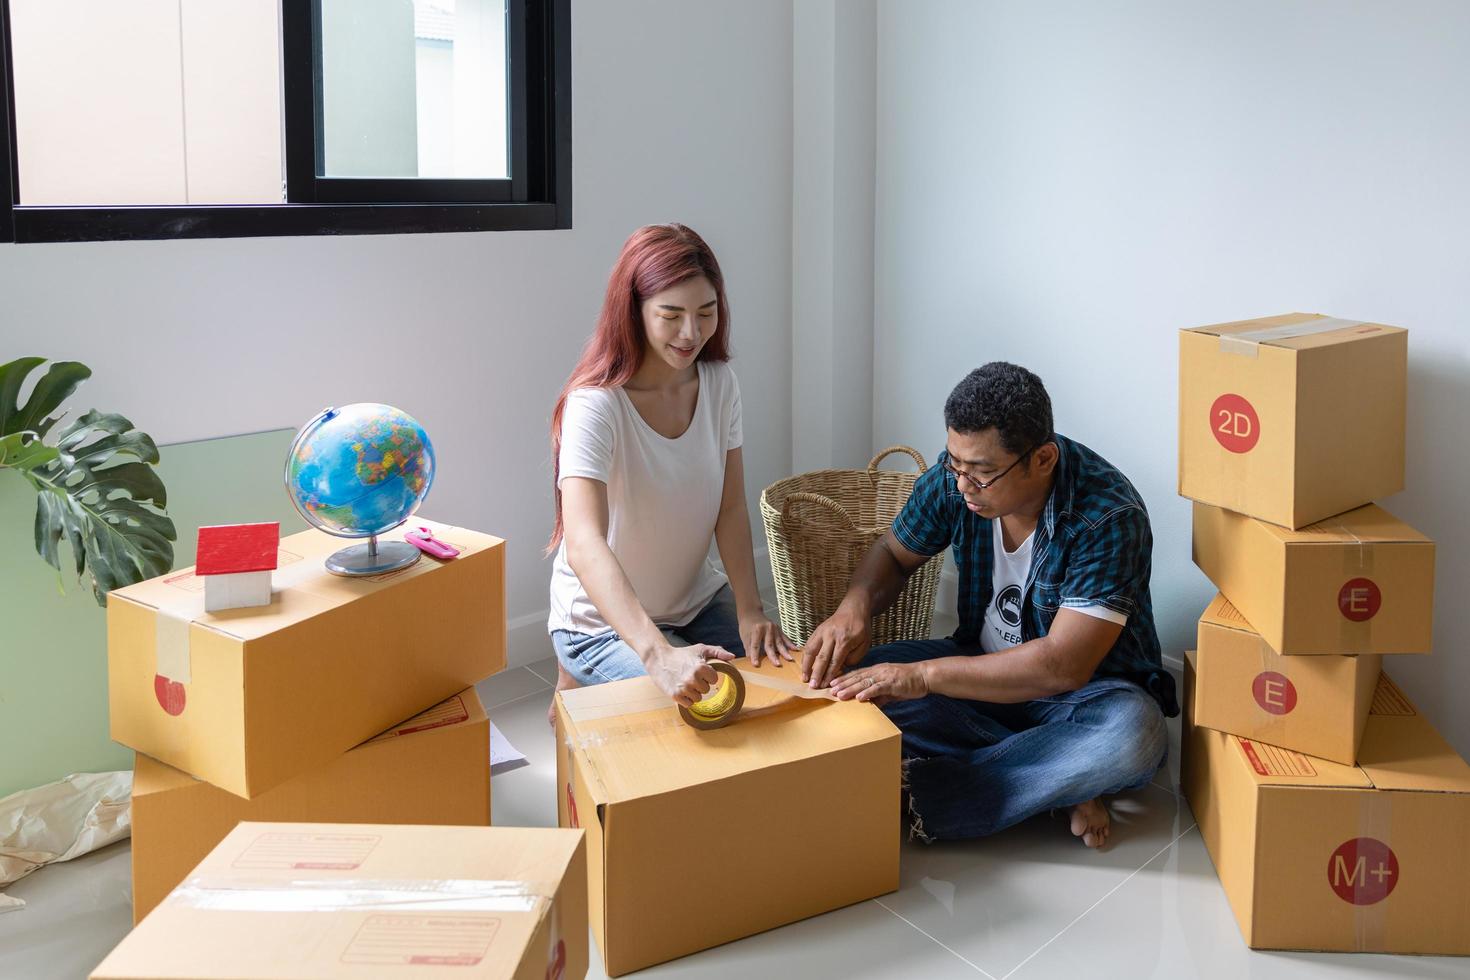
1029,903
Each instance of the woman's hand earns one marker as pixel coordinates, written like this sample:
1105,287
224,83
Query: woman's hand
763,638
684,673
883,683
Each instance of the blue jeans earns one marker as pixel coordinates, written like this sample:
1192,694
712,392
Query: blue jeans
973,768
595,658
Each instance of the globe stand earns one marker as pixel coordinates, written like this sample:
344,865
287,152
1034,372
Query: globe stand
372,558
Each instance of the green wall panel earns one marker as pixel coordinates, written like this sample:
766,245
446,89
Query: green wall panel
53,646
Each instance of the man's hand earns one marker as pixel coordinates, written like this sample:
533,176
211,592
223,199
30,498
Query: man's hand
882,683
841,640
763,638
683,673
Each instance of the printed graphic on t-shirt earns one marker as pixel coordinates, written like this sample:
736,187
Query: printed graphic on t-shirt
1002,626
1005,612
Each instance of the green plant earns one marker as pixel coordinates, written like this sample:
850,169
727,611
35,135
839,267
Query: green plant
95,481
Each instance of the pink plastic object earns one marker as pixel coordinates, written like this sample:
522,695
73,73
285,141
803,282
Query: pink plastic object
424,540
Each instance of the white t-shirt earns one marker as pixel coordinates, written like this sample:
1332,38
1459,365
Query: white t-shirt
1002,629
663,498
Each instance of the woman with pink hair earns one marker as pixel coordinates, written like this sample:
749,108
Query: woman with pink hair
645,443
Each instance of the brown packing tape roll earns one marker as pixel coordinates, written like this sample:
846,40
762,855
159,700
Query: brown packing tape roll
722,704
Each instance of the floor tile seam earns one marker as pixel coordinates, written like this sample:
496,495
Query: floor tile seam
902,918
518,697
533,670
1108,894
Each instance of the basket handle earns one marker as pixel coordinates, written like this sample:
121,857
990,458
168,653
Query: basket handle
896,449
816,498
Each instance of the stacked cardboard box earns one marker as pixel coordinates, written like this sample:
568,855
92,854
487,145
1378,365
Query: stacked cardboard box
673,865
1316,784
296,711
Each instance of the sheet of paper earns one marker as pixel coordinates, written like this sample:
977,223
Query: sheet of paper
503,755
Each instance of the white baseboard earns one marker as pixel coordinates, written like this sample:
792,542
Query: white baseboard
526,639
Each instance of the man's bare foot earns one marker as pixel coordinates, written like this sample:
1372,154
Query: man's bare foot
564,681
1091,822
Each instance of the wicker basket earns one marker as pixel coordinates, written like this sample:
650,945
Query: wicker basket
819,526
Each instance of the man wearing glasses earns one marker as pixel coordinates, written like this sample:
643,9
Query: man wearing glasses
1051,694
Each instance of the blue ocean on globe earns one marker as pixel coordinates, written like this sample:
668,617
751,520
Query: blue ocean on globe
360,470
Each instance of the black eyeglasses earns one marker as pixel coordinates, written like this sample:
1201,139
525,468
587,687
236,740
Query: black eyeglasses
960,474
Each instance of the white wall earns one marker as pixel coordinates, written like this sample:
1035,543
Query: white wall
681,112
1066,184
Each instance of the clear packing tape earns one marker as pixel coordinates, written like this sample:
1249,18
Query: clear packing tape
234,894
641,695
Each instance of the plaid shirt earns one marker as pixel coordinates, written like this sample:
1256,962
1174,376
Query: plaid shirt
1093,547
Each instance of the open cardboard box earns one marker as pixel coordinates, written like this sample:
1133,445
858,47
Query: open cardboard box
696,838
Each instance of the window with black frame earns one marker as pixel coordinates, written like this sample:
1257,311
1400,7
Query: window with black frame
131,119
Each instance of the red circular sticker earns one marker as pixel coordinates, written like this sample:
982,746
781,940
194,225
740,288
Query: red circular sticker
557,967
1363,871
1235,424
170,694
572,808
1359,599
1274,692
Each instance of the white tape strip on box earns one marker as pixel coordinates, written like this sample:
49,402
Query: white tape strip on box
1249,343
171,644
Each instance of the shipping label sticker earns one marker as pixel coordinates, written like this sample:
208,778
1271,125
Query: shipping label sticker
1389,700
1235,424
422,940
451,712
321,852
1359,599
1274,692
1269,760
1363,871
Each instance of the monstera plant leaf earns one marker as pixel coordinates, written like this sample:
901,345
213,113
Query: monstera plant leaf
95,482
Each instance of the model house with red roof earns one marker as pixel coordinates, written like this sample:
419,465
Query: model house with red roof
236,561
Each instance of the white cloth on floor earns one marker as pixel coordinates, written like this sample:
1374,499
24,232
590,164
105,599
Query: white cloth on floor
60,821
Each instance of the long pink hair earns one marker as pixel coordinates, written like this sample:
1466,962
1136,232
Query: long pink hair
654,258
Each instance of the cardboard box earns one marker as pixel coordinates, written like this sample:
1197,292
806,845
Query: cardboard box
1292,418
433,768
695,838
1361,582
1316,705
248,698
291,900
1316,855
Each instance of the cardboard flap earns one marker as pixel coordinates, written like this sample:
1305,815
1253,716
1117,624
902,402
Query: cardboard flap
647,749
1294,331
1402,751
1365,525
1224,615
